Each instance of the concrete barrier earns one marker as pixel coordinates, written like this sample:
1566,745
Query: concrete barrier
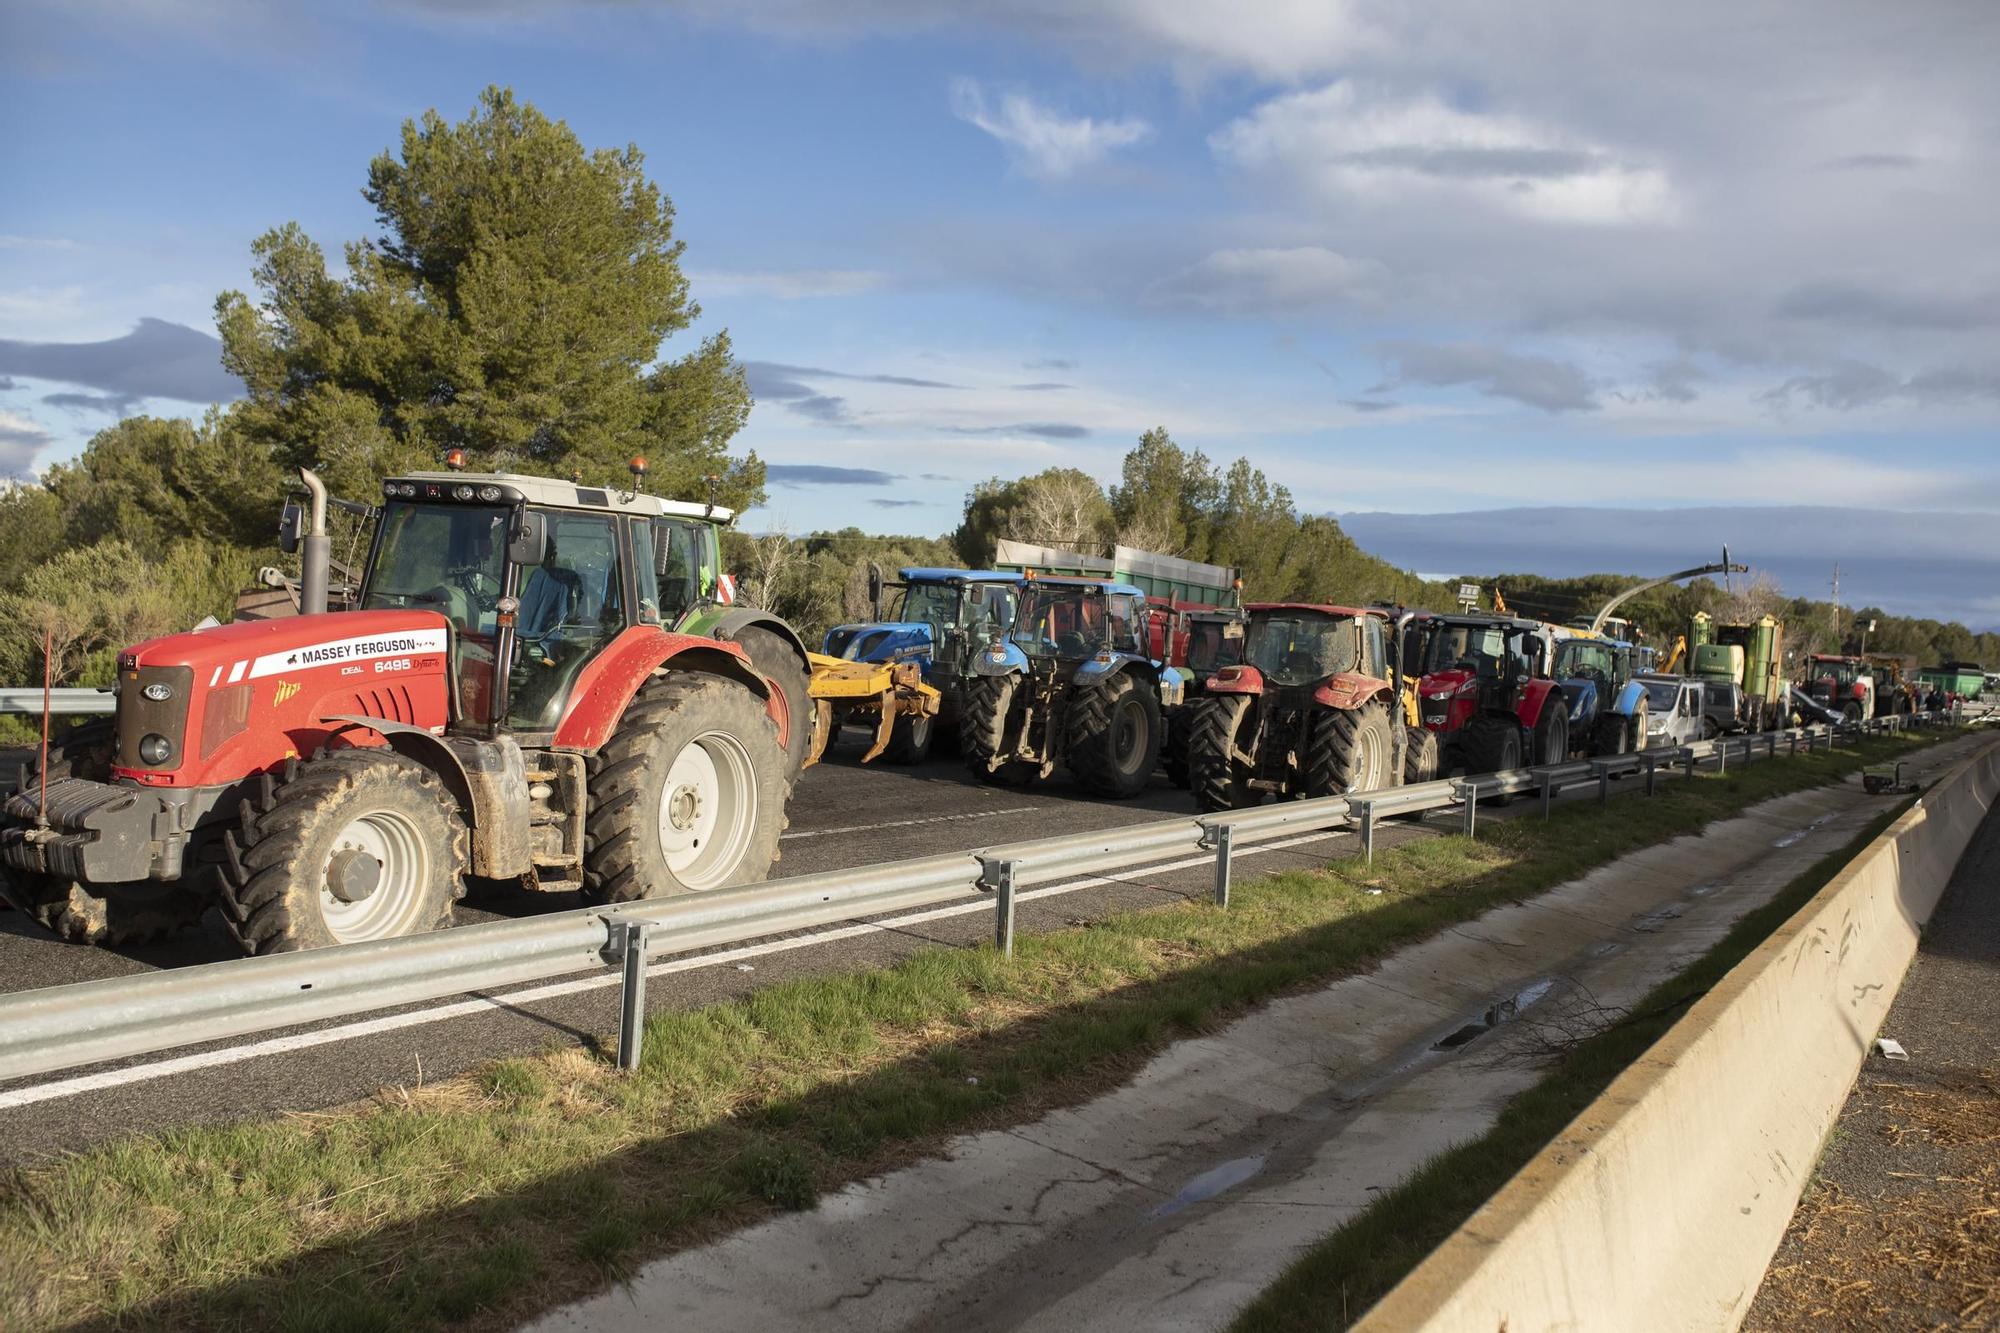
1660,1206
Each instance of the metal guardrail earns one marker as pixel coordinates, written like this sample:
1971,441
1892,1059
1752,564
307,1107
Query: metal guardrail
64,1027
66,702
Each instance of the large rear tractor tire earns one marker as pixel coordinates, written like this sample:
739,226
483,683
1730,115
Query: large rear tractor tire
351,845
1552,731
982,732
1348,750
112,915
1422,756
1114,736
687,795
1492,745
1217,781
774,657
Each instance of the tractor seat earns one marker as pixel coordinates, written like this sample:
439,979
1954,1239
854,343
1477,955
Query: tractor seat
546,602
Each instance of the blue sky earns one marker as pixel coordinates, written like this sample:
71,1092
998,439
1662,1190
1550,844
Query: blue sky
1405,257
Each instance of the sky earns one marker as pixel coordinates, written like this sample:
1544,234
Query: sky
1409,258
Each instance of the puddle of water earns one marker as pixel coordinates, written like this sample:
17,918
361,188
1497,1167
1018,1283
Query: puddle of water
1495,1015
1211,1183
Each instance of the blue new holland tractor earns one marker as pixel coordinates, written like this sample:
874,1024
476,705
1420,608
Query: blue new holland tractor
1607,707
940,618
1069,683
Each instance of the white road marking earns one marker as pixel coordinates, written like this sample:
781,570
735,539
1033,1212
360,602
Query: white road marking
908,823
301,1041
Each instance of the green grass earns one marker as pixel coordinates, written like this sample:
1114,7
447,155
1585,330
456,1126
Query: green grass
1335,1282
486,1198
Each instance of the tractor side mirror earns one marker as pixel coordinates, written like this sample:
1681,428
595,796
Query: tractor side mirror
874,591
528,544
291,526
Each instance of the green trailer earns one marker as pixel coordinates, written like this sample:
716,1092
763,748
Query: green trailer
1752,656
1965,679
1163,578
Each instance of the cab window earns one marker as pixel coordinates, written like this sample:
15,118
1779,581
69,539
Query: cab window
572,604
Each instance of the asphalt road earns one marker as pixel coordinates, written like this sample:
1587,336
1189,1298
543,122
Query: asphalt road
842,815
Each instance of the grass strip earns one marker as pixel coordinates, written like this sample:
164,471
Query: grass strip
481,1200
1333,1284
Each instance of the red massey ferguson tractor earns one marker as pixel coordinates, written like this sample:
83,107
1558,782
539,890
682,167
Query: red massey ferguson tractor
503,701
1487,696
1310,709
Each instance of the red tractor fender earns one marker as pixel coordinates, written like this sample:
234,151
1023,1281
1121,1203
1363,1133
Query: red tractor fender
1239,679
1350,689
607,684
1535,697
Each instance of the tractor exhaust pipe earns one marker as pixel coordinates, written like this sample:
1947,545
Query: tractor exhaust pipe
316,562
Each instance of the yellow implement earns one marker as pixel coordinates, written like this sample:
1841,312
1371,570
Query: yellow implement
886,689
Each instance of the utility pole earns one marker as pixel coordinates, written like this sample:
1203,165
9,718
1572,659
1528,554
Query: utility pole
1839,644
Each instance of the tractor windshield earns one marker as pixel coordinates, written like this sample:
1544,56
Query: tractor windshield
1299,648
1213,644
1070,622
443,558
1584,659
1479,649
1843,673
933,604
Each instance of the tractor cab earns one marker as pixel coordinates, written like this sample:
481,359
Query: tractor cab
1214,640
536,577
1297,648
1064,625
937,616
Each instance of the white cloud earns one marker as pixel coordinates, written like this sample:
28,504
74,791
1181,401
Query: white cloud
20,440
786,284
1253,280
1344,141
10,242
1042,142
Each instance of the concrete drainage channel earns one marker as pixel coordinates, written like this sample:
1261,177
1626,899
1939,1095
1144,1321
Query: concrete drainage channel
1664,1200
1173,1201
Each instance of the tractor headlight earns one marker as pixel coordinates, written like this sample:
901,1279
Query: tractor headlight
159,691
462,492
489,493
155,749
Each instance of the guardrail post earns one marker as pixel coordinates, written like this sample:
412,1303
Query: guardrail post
1652,763
1793,736
1721,755
1603,783
1218,837
1548,782
1468,792
1771,744
999,877
632,996
1367,829
1692,759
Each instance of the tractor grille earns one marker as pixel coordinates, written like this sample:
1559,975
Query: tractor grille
139,717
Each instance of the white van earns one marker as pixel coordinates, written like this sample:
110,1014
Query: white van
1673,710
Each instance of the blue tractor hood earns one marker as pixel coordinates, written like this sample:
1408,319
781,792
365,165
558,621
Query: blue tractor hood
881,641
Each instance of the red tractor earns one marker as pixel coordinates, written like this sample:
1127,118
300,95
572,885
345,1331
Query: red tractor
1309,710
504,701
1487,696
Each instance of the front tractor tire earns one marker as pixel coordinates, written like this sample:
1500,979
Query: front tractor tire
111,915
687,795
1114,736
1423,757
773,657
910,739
1347,750
351,845
1216,779
982,733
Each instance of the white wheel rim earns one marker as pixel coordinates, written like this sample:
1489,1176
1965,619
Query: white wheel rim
708,810
405,868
